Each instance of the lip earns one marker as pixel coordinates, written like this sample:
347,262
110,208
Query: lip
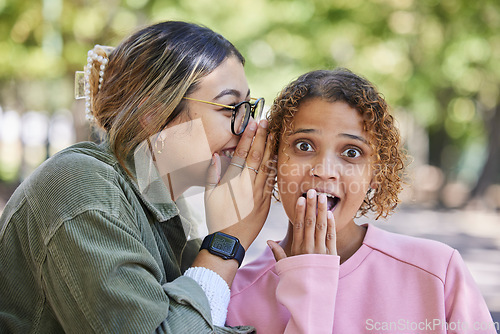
326,191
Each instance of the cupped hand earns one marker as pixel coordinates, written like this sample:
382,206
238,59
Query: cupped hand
238,202
313,228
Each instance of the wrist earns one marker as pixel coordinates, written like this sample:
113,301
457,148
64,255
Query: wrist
224,246
244,231
224,268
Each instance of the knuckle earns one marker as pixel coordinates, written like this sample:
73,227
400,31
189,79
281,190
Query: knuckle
271,163
321,226
249,133
330,236
298,225
256,155
241,152
309,221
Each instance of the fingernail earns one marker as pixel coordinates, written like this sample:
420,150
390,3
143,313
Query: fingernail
311,193
322,198
263,124
214,158
252,126
301,201
329,215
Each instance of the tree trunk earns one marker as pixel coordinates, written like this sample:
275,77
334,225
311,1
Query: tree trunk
491,168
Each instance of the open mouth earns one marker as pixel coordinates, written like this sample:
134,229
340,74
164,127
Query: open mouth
229,153
331,201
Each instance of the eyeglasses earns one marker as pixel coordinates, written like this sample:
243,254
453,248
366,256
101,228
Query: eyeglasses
241,112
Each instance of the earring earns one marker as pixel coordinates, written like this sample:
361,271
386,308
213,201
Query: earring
276,193
371,192
159,150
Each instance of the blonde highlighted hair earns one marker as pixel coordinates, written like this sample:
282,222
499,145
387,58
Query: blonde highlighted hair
147,76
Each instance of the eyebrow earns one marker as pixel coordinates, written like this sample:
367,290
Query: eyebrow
361,139
303,131
232,92
348,135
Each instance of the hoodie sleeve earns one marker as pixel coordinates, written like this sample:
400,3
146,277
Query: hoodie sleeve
466,309
308,288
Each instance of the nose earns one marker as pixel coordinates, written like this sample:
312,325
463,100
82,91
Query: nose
327,168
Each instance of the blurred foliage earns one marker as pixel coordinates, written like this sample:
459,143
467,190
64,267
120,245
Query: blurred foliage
436,61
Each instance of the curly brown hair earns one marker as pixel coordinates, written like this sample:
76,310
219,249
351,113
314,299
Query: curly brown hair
389,158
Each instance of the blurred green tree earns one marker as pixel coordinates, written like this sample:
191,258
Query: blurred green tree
436,61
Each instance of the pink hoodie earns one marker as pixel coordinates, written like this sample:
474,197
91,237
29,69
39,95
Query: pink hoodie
392,284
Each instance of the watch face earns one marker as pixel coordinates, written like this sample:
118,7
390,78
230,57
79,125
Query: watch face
223,244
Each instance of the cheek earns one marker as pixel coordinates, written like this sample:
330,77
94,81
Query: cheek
218,132
288,179
289,184
288,201
358,183
215,122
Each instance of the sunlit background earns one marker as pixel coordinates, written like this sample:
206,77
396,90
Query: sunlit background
436,62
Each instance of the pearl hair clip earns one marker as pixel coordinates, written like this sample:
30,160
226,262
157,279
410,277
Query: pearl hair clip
82,79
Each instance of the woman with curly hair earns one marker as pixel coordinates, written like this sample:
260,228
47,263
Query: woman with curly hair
340,157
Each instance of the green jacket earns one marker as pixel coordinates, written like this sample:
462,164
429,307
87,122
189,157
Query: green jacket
83,251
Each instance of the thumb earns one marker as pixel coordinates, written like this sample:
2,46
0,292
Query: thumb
213,173
277,250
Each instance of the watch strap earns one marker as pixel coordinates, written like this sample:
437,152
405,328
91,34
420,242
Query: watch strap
206,241
240,254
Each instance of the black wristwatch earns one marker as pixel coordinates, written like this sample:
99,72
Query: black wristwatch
225,246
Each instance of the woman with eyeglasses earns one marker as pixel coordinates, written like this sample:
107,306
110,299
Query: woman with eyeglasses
98,238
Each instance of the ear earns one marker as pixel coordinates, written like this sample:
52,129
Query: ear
146,119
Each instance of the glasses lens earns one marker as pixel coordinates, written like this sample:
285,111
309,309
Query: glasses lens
258,107
241,118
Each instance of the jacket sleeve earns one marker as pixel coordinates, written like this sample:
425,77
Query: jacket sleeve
308,288
99,277
466,310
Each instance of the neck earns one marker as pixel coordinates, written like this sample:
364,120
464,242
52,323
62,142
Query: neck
179,179
349,240
174,188
182,155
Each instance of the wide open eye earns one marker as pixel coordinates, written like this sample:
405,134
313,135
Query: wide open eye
304,146
351,153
